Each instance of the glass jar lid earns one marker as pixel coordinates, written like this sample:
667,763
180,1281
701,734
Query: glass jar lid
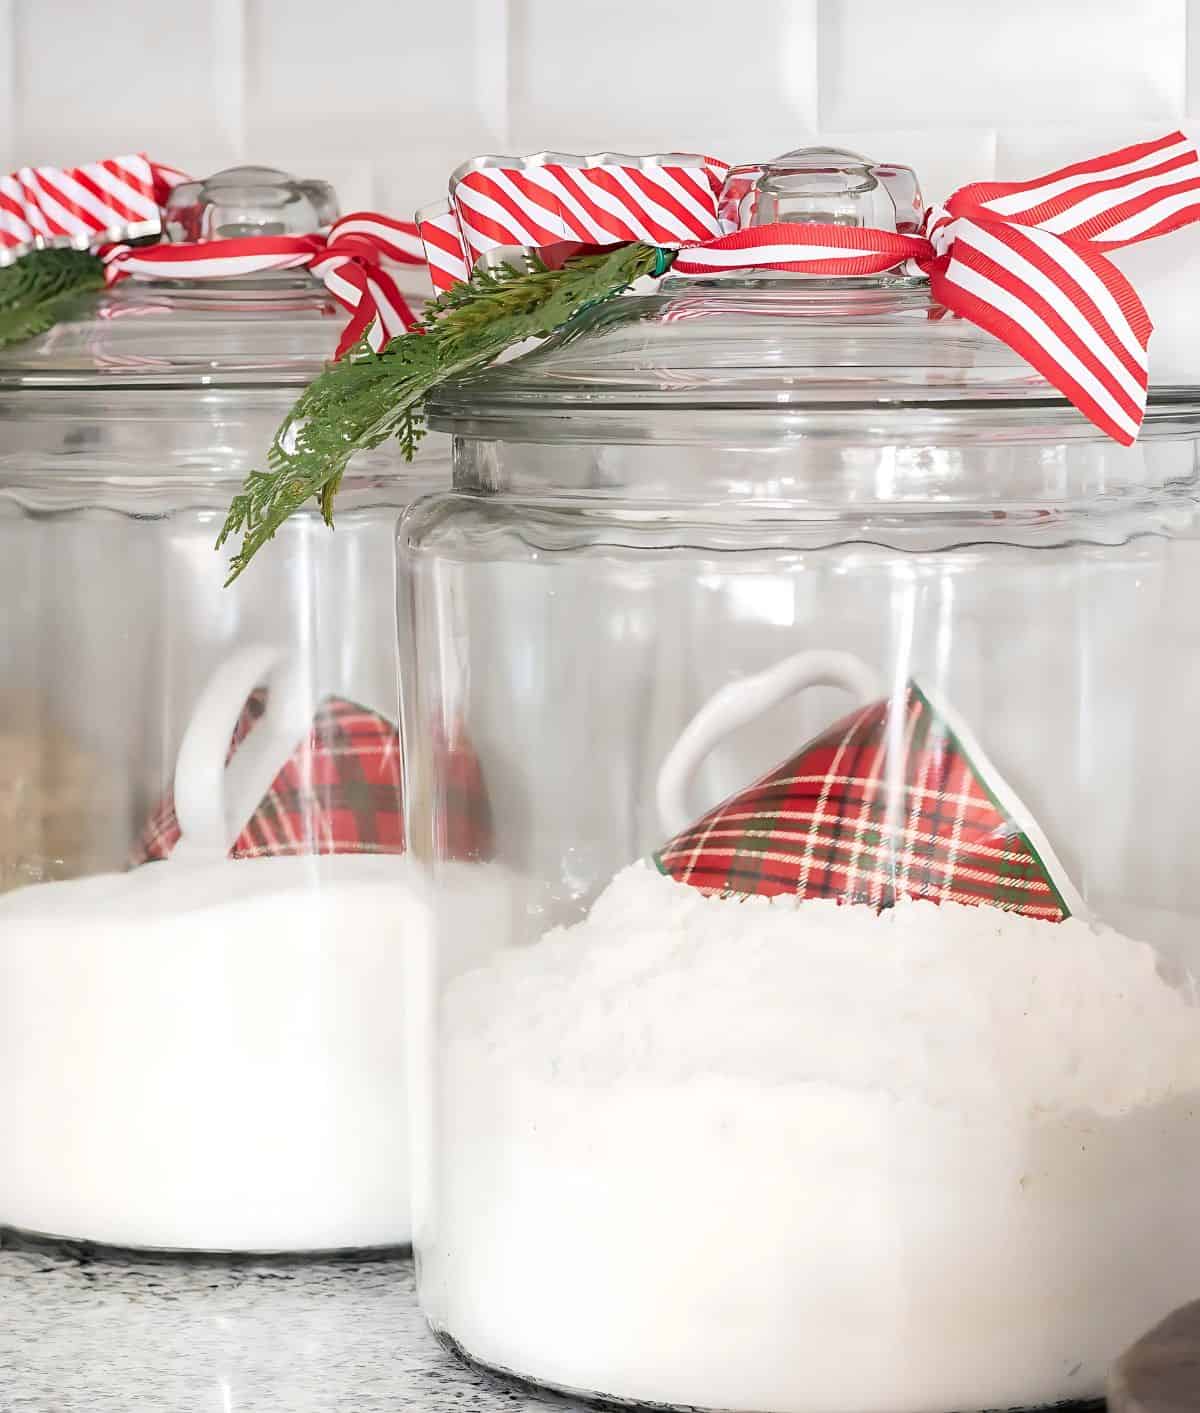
763,356
272,329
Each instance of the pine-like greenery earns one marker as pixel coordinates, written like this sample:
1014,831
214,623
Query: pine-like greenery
358,403
36,291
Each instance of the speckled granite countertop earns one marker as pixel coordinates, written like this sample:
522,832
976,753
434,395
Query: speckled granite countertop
115,1336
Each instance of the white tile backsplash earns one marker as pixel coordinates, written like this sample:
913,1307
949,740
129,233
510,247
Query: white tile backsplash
95,81
384,97
949,63
342,72
651,75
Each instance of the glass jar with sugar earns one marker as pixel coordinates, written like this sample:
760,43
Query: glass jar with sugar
204,902
834,680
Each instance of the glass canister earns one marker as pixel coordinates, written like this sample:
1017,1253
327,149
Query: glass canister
834,681
203,907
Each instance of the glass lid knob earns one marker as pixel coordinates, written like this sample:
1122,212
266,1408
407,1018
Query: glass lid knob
248,201
827,185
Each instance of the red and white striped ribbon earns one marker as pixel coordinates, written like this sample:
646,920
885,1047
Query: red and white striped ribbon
445,253
1024,260
105,204
811,249
352,261
548,199
117,199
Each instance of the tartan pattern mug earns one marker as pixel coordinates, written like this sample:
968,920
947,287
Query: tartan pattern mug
259,774
895,799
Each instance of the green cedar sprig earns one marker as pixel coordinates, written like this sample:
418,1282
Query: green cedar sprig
38,289
359,402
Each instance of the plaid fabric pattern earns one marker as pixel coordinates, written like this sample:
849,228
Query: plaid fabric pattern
884,804
161,833
463,818
340,793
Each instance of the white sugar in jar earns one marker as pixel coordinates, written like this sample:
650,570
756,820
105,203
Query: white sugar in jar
209,1057
198,1053
753,1154
214,1056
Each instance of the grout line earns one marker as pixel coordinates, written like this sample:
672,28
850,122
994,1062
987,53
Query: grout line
493,53
229,73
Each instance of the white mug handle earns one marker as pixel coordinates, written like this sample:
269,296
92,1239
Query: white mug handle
214,801
740,702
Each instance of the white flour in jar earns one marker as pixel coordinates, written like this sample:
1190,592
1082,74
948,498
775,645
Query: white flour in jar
212,1056
769,1155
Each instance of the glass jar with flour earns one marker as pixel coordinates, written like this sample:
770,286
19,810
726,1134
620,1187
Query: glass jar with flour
203,899
834,679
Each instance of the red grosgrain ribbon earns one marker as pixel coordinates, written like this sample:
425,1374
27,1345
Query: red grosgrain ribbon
351,260
102,205
117,199
1023,260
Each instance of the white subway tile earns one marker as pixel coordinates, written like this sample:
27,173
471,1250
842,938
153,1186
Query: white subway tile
945,63
385,97
651,75
133,75
373,78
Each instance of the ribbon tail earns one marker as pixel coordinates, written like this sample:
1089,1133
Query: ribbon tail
1064,308
375,304
395,315
1132,194
360,322
346,281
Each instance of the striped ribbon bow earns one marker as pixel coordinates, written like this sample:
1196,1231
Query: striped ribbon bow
351,260
102,205
1023,260
117,199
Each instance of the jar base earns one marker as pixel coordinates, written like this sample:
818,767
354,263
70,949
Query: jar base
80,1249
520,1383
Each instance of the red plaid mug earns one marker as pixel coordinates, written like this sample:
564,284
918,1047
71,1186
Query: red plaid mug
897,799
738,703
261,774
217,790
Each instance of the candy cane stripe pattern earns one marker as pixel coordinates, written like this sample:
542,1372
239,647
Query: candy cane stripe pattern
1023,260
1111,201
602,200
1026,293
808,250
445,253
117,199
352,261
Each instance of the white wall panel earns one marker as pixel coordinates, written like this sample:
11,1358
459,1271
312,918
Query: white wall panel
644,75
384,97
94,80
943,63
